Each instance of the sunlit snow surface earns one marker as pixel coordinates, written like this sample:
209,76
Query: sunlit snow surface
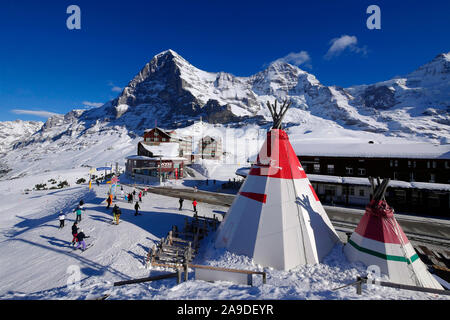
35,256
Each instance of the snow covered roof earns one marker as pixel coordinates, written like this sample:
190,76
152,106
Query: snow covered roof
136,157
376,150
173,134
364,181
392,183
169,149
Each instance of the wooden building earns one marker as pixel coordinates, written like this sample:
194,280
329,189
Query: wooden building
406,162
148,169
422,198
159,157
158,136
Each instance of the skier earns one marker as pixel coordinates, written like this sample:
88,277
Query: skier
61,217
80,237
137,207
181,203
78,212
140,196
116,213
74,232
194,204
109,201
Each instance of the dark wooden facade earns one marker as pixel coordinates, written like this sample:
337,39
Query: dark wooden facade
157,136
404,169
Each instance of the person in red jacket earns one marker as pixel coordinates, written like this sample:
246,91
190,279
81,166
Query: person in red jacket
194,204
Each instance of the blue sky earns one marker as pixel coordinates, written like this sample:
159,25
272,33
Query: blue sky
47,68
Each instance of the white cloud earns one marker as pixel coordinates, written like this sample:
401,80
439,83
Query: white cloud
116,89
37,113
92,104
296,58
338,45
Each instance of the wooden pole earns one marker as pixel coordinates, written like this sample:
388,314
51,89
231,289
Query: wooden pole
178,275
160,277
185,266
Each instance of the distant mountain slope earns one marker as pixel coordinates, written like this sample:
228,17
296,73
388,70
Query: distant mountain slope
174,93
12,132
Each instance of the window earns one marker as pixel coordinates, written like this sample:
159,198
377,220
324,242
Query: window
428,165
361,171
432,177
164,139
446,165
316,167
155,134
411,176
349,170
396,163
391,163
361,192
409,164
352,191
434,164
330,168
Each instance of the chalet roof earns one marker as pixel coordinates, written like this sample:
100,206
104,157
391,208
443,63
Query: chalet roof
168,149
170,134
136,157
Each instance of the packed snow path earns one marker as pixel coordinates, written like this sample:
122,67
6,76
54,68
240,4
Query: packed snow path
37,262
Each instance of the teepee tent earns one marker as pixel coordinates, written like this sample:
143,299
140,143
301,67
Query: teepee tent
277,218
379,240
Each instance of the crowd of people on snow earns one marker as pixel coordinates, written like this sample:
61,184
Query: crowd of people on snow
78,233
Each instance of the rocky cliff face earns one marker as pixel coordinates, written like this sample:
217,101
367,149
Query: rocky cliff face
174,93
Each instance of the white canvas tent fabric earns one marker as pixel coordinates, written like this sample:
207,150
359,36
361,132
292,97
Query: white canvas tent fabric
277,218
379,240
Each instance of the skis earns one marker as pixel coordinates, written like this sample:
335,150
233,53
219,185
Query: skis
87,247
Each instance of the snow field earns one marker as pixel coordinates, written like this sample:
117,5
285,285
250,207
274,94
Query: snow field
35,255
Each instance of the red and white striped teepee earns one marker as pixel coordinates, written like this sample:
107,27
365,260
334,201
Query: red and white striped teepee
277,218
379,240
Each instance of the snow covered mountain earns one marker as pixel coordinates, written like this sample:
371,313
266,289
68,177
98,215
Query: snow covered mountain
175,93
12,132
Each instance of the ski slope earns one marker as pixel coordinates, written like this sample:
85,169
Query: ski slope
36,261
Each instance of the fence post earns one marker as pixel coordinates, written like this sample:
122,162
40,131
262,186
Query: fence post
185,270
359,285
178,275
264,278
